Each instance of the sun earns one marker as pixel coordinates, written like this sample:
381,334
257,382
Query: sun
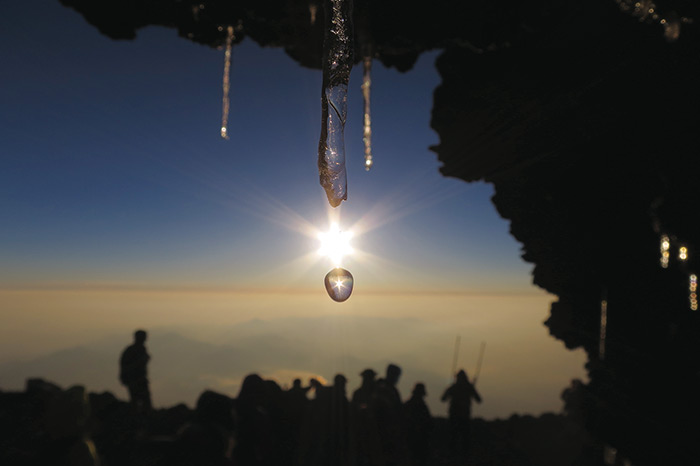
335,244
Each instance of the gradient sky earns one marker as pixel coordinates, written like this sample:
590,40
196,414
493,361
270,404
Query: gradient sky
122,207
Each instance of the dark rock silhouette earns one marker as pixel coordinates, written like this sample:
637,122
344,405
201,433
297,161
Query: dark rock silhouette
48,425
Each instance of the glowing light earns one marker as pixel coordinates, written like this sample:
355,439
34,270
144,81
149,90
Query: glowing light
312,13
646,11
335,244
664,247
693,287
609,455
683,253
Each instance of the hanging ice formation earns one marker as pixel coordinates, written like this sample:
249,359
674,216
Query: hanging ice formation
367,128
226,83
337,61
603,328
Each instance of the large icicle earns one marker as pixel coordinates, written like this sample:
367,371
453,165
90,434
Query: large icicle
367,128
337,62
226,84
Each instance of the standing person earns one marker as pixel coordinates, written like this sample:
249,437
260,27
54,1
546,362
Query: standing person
133,373
460,395
339,424
367,450
419,424
388,410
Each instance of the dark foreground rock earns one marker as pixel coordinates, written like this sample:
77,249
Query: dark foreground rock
41,426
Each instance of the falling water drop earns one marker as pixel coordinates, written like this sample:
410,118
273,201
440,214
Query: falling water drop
339,283
337,61
367,129
226,83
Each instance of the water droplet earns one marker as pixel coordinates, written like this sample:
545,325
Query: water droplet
339,284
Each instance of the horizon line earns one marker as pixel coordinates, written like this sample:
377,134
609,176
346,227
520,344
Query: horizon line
204,289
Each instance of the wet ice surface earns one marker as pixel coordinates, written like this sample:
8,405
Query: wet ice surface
332,159
337,63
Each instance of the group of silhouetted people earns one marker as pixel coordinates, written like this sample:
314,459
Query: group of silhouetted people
267,425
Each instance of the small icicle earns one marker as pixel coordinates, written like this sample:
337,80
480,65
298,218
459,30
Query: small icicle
226,84
367,129
337,61
603,328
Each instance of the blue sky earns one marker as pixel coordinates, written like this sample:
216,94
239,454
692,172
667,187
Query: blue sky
114,177
114,171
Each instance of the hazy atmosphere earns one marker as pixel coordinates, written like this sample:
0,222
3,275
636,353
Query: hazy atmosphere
212,340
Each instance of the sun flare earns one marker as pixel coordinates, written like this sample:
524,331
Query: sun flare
335,244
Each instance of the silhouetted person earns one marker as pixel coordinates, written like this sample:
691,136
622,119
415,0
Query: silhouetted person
277,445
66,422
133,373
419,424
389,414
367,447
460,396
386,387
339,423
313,442
253,429
296,405
298,393
362,397
208,439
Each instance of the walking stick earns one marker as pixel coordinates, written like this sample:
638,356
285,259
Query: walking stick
456,355
478,363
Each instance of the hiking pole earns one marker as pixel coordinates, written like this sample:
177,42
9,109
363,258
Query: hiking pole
478,363
456,355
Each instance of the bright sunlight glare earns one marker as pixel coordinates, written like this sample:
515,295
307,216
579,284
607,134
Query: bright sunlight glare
335,244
